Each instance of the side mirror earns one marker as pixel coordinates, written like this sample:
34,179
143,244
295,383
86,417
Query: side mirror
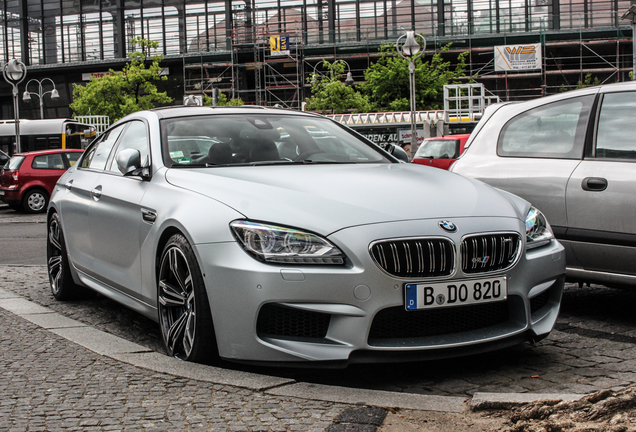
398,152
128,161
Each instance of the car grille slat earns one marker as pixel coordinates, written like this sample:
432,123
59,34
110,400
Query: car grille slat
487,253
415,257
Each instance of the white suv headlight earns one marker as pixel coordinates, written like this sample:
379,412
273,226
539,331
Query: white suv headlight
538,231
276,244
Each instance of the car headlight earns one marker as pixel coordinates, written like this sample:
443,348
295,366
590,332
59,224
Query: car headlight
538,231
276,244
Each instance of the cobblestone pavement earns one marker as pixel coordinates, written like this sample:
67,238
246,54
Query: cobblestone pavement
593,347
49,384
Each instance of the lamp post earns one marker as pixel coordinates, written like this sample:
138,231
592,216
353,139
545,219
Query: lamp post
630,15
411,50
348,80
14,72
26,96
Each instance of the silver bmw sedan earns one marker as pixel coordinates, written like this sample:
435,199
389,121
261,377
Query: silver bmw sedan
281,237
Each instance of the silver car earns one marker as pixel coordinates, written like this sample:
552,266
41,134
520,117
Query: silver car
573,156
263,235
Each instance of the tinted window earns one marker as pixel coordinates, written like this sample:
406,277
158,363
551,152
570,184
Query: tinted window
97,155
50,161
555,130
616,132
135,137
236,139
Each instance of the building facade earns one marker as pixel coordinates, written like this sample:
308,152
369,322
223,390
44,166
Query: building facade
228,44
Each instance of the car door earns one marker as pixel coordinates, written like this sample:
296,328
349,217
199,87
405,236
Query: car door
538,151
600,198
116,222
75,207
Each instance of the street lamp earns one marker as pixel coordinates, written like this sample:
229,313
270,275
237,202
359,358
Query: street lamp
411,50
14,72
630,15
26,96
348,80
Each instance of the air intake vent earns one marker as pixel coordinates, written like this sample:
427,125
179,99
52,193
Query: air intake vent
423,257
488,253
398,324
284,322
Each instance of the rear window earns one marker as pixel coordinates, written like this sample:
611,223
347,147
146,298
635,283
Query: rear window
15,162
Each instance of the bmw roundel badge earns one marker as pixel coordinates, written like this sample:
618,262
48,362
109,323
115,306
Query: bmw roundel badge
447,226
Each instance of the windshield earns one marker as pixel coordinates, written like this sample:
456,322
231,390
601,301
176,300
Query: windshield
438,149
261,139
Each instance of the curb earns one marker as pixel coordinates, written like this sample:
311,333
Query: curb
131,353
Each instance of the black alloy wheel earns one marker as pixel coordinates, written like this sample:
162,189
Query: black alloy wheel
62,285
184,310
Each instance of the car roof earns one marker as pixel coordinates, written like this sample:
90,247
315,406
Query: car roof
448,137
43,152
184,111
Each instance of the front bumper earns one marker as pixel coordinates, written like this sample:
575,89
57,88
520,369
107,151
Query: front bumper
270,313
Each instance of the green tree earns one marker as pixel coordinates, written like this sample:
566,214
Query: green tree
588,81
223,101
387,80
120,93
332,96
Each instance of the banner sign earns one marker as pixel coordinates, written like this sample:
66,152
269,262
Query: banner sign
279,45
405,136
517,57
88,76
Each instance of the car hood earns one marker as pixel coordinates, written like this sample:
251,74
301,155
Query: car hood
327,198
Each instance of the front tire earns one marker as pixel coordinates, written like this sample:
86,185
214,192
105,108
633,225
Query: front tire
35,201
62,285
184,310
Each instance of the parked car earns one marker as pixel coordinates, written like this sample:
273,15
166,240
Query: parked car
572,155
28,179
315,256
441,151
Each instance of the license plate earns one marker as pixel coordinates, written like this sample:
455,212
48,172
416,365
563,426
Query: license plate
1,193
455,293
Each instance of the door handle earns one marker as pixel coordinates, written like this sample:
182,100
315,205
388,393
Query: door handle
148,216
69,184
594,184
97,193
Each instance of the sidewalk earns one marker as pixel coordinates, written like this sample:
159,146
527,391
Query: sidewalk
61,374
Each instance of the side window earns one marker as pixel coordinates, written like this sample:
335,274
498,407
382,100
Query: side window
616,131
50,161
555,130
135,137
97,155
72,157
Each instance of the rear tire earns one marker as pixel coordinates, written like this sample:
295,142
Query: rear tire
35,201
60,278
184,309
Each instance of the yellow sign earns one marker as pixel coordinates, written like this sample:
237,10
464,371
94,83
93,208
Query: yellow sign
279,44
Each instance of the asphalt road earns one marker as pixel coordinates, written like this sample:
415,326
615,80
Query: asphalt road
592,347
22,237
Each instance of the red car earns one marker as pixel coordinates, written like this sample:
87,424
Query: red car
28,179
441,151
